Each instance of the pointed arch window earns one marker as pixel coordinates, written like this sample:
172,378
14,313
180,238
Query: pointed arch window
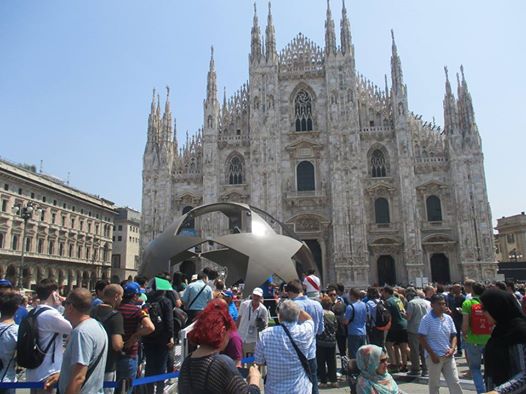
434,209
305,176
235,172
378,164
303,111
381,211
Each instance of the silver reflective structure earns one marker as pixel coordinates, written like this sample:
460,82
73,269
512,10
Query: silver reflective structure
252,250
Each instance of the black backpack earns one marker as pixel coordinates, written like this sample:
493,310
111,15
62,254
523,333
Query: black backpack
155,311
383,316
29,354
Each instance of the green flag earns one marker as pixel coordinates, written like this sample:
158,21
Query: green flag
162,284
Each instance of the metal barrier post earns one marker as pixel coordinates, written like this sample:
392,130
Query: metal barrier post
183,340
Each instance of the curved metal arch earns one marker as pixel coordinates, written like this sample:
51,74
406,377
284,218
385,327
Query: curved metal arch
255,253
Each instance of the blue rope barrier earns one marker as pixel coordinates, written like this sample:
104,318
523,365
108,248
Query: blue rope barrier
155,378
21,385
109,384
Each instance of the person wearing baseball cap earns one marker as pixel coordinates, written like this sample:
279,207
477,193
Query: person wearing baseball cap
5,283
253,317
132,288
137,324
228,296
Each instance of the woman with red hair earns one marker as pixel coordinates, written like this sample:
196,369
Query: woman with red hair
206,370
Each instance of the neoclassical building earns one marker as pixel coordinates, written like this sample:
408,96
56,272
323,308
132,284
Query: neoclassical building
63,232
379,195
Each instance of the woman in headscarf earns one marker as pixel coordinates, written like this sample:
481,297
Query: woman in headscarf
374,378
505,352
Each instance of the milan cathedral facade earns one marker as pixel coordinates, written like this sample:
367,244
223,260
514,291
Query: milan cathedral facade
379,195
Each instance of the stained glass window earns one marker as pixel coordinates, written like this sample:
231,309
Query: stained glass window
235,171
378,164
303,111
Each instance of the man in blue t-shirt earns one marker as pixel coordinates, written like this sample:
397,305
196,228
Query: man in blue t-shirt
269,299
356,319
228,296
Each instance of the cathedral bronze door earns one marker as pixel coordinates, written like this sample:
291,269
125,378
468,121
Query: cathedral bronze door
386,270
440,268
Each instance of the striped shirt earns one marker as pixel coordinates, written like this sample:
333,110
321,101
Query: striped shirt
285,374
214,374
438,332
132,316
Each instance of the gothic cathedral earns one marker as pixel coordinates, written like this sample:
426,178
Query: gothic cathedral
379,195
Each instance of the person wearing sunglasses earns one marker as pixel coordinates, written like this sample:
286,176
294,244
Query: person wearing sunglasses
374,378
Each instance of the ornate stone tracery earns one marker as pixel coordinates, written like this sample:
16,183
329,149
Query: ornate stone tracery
301,55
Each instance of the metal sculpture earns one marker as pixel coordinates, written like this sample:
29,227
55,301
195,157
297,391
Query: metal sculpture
252,250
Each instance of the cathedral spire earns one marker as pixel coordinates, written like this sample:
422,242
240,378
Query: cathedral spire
450,108
345,32
255,44
167,119
167,103
152,122
211,86
330,34
224,108
396,68
152,108
176,146
270,38
465,104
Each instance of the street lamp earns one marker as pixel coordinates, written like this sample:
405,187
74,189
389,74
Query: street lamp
515,256
26,213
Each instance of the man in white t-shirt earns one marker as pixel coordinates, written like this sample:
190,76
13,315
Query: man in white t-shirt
51,327
312,285
253,317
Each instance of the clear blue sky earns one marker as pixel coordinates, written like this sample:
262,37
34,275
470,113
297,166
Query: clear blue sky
76,76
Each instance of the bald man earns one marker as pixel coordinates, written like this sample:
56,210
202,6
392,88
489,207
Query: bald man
86,350
112,321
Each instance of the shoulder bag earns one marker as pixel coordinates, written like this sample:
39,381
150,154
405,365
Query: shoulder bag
301,356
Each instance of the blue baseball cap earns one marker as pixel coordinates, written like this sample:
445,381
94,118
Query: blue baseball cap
5,283
132,288
227,293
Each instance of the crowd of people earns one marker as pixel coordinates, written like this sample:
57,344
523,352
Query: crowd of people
292,331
